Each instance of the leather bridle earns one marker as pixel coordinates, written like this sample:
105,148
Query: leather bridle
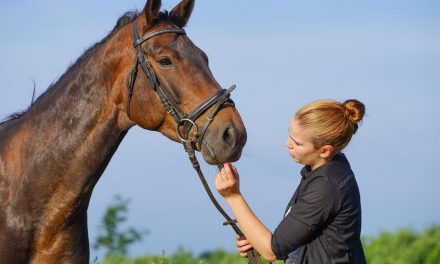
182,119
185,122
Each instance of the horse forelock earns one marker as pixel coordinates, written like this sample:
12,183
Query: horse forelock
130,16
164,16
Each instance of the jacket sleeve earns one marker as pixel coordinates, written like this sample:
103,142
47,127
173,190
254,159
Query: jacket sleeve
316,204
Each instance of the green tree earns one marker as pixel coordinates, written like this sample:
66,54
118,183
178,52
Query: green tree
110,237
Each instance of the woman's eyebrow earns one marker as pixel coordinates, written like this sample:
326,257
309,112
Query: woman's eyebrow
288,132
296,142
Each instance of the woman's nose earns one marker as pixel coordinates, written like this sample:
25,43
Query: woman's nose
288,144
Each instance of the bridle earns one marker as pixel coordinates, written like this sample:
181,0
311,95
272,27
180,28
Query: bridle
182,119
184,122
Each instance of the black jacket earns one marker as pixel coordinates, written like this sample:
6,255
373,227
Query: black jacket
323,218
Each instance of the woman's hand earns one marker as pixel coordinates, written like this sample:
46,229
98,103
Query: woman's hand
227,181
243,246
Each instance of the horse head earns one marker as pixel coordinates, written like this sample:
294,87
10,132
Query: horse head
172,90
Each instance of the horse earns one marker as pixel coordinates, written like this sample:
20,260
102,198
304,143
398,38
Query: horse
145,72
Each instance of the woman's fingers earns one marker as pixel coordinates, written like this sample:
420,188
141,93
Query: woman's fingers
235,171
223,183
226,176
243,246
226,181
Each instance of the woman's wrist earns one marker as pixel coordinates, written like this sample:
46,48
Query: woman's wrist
233,198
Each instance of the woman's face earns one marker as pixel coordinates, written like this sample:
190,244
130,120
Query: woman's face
300,147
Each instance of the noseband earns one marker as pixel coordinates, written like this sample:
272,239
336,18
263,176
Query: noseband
184,122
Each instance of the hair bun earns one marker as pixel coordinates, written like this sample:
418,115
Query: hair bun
355,110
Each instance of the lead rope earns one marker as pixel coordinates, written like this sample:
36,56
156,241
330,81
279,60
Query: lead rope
253,256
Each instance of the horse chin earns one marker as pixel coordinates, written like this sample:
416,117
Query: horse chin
216,156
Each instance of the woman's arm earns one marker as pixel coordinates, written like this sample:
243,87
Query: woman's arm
228,185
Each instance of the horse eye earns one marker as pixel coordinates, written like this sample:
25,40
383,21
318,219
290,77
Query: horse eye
164,61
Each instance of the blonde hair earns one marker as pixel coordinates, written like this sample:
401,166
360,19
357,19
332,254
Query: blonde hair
329,122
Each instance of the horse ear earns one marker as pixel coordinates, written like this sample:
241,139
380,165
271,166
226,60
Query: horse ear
182,12
151,9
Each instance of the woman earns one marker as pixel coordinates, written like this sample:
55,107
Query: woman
322,222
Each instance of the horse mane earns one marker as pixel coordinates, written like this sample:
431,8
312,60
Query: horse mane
125,19
13,116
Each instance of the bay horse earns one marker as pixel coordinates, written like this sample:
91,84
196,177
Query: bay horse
53,154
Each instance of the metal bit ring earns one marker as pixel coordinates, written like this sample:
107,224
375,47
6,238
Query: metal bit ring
195,133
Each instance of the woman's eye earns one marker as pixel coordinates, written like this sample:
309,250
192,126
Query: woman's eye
164,61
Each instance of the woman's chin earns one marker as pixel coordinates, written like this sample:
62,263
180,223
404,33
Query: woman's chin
297,160
294,159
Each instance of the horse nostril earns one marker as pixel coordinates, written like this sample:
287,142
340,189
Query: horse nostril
228,136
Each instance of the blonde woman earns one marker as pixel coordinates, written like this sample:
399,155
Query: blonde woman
322,222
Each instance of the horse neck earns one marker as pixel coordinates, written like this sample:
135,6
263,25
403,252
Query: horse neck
63,143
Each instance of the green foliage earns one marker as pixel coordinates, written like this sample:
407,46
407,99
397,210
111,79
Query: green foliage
404,247
114,241
221,257
182,256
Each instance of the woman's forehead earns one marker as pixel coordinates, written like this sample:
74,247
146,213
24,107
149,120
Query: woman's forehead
296,131
294,125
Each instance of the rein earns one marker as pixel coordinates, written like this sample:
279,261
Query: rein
184,122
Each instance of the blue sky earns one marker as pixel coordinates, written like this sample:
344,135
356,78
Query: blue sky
281,55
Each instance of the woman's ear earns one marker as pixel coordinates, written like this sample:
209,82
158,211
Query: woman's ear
326,151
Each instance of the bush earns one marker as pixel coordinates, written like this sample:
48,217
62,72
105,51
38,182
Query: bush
404,247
